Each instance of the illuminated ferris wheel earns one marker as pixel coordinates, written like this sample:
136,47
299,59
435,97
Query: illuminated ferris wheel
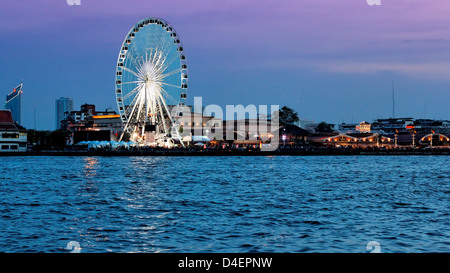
151,82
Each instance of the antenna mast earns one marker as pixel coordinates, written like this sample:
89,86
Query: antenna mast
393,100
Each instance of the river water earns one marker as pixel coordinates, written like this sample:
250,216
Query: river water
225,204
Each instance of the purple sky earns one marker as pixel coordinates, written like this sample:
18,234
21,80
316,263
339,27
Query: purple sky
329,60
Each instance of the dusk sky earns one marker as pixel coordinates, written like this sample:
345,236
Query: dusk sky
330,60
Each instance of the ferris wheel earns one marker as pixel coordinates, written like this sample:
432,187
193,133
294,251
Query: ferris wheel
151,82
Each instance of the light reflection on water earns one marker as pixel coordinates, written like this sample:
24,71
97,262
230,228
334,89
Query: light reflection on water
226,204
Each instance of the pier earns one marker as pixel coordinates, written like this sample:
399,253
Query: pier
283,151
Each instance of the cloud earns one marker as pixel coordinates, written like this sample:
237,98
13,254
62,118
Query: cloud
437,70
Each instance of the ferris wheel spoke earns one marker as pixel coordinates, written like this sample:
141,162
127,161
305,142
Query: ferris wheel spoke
131,59
162,42
160,60
160,68
132,92
131,71
174,58
132,111
133,101
171,73
166,49
171,85
165,106
163,119
133,82
139,109
136,104
168,97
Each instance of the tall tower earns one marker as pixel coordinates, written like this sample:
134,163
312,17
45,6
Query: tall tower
14,103
62,105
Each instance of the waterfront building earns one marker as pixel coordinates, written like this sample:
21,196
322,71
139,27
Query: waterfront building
87,124
434,139
196,127
308,125
14,103
355,140
347,127
392,125
62,105
379,139
427,125
193,121
408,125
12,137
445,128
86,113
193,125
248,131
363,127
293,135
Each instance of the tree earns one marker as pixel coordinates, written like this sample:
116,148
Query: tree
325,127
48,139
58,138
287,116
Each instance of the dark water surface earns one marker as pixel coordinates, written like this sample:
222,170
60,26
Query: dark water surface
225,204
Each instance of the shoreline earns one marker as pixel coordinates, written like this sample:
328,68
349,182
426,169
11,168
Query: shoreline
229,153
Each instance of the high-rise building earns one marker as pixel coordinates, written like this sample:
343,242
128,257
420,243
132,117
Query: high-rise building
14,103
62,105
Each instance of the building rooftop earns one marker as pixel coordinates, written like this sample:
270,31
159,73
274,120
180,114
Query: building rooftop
6,116
293,130
7,121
